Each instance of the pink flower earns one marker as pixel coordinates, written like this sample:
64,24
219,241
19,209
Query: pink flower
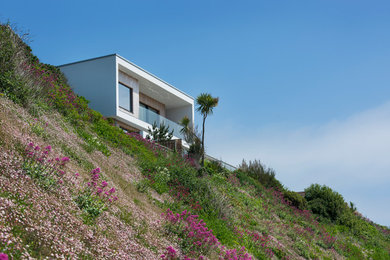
112,190
48,148
3,256
77,174
104,184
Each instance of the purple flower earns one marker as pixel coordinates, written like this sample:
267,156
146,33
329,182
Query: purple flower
77,174
112,190
48,148
37,148
104,184
3,256
94,171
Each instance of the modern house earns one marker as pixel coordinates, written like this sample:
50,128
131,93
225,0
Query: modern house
130,95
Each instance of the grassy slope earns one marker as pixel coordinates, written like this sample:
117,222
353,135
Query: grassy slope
40,222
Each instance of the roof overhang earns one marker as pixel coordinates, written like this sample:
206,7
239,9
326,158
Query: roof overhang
154,87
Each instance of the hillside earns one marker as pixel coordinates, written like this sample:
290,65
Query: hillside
74,186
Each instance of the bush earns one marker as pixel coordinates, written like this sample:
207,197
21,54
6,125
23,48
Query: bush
295,199
325,202
213,167
259,172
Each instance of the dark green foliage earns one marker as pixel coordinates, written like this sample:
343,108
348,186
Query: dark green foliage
213,167
295,199
12,87
159,134
259,172
325,202
191,136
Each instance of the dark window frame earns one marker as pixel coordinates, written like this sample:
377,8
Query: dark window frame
131,97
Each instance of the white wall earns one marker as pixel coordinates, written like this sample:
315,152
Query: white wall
177,114
95,79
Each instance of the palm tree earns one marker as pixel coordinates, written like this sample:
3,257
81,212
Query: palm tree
205,105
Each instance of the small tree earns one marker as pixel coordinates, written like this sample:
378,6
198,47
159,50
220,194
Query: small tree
159,134
206,104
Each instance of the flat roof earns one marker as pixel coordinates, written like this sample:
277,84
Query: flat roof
117,55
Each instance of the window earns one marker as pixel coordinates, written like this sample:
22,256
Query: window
149,108
125,97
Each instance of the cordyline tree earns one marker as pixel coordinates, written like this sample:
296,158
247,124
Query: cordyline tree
205,105
191,136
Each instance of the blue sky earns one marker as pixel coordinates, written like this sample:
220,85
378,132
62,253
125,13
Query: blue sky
304,86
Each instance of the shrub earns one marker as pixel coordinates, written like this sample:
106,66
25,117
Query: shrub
325,202
213,167
295,199
159,133
259,172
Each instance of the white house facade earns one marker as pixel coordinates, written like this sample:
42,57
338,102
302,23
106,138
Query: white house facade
130,95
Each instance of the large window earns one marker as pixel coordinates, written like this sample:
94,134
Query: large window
125,97
149,108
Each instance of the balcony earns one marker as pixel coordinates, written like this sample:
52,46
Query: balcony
151,117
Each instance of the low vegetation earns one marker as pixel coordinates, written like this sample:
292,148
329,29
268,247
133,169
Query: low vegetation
74,186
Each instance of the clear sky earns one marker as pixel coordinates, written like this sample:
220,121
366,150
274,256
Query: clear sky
304,86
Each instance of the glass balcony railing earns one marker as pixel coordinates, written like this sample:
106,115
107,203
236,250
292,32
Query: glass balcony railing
150,117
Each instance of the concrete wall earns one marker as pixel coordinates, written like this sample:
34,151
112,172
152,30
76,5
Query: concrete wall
95,79
177,114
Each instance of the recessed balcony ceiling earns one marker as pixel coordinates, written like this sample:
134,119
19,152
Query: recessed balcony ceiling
162,91
168,99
